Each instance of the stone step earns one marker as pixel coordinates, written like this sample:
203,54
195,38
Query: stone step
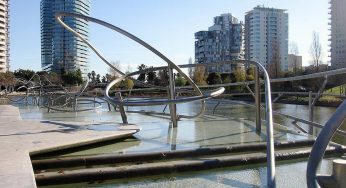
172,166
72,162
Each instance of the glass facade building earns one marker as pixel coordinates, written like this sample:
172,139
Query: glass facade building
222,42
60,49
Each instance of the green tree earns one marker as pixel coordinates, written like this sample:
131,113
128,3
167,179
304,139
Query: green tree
78,75
108,78
44,77
54,78
250,74
104,79
214,78
226,78
93,76
48,78
7,79
151,76
72,78
127,83
142,76
180,81
98,80
199,75
162,78
26,74
239,75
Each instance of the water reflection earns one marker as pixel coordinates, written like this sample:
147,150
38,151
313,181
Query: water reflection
172,137
231,124
287,175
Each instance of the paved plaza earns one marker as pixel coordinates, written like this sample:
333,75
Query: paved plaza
20,138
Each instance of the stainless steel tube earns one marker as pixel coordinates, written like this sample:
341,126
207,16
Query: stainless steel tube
258,100
321,143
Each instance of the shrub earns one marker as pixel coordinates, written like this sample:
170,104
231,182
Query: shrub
7,79
72,77
26,74
199,75
180,81
214,78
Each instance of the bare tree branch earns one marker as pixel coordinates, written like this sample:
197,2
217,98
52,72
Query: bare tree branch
112,72
274,67
316,50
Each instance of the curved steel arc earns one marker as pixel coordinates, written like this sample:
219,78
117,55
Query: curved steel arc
269,125
134,38
321,143
123,32
79,110
27,85
86,84
32,78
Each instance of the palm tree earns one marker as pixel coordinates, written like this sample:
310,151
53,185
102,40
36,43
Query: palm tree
93,74
142,76
98,78
103,79
142,67
108,78
151,76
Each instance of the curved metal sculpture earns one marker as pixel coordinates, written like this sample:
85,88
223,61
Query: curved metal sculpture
321,143
46,94
32,88
71,100
172,101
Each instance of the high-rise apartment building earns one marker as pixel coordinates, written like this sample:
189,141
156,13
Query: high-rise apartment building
4,36
222,42
338,34
60,49
266,36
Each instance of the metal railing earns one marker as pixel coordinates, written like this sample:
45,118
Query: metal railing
321,143
172,101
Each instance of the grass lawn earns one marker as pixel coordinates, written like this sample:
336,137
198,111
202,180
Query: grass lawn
336,90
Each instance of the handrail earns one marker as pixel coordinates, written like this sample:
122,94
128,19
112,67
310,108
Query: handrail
321,143
269,127
171,65
125,33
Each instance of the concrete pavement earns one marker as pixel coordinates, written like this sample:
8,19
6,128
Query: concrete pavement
19,139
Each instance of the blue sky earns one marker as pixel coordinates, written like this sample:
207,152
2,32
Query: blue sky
167,25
